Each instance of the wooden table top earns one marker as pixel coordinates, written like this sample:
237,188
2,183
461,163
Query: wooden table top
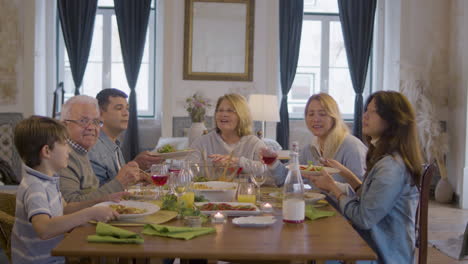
322,239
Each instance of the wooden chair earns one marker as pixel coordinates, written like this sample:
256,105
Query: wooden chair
7,219
422,212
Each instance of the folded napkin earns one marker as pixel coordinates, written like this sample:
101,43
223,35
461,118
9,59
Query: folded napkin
176,231
313,213
110,234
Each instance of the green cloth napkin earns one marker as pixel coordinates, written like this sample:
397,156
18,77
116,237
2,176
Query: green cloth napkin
176,231
106,233
313,213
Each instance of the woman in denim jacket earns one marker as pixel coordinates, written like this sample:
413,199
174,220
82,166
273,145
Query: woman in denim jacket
382,208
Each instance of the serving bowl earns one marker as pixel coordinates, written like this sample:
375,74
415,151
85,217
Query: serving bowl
216,191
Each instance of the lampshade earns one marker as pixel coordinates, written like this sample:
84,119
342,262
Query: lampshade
264,107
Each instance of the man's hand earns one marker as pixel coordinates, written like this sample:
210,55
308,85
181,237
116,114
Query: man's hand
145,160
129,174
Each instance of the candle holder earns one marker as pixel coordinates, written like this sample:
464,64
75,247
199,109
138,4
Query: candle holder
218,218
267,208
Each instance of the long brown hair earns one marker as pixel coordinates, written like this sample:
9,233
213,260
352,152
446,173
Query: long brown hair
401,135
338,131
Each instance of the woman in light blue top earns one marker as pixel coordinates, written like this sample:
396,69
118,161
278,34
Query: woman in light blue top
331,140
383,207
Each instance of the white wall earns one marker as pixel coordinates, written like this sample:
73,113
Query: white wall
265,79
458,118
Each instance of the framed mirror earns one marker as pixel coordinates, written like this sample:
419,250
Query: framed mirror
218,40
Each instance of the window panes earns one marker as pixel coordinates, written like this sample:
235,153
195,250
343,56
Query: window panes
322,64
321,6
105,68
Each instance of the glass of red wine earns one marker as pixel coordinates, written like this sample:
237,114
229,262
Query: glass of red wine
159,175
268,156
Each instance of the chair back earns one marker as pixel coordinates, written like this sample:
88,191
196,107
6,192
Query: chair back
422,212
7,219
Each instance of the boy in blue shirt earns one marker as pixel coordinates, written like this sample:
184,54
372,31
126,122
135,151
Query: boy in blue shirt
42,216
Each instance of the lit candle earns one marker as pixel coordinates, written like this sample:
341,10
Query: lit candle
218,218
267,208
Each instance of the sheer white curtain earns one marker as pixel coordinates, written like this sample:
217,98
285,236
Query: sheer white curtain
386,52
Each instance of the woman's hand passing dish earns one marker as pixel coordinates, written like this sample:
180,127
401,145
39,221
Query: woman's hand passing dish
224,160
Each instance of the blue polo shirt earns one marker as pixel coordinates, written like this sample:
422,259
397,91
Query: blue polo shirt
37,194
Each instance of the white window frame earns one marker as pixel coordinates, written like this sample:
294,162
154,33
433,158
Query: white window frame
107,13
326,19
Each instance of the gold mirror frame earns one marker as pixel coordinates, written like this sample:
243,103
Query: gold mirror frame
247,74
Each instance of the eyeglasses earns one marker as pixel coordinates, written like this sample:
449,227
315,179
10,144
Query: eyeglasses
229,111
85,122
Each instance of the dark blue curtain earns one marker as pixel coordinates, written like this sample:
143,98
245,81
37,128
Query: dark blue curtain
77,20
290,26
357,22
132,21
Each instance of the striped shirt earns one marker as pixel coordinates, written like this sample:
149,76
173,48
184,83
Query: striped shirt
37,194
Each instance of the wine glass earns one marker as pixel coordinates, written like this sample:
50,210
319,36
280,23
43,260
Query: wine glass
159,175
175,166
180,184
268,156
246,192
258,175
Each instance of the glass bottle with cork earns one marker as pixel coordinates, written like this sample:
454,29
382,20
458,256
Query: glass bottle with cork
293,193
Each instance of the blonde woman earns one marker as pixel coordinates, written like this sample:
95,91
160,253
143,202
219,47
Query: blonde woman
331,140
233,134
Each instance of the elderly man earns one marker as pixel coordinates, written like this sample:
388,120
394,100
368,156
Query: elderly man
78,182
106,156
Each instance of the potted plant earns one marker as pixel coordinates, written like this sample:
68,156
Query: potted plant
196,106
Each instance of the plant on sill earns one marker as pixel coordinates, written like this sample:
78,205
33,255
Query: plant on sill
196,107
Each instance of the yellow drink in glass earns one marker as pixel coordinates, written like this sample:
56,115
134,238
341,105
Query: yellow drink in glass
246,198
188,198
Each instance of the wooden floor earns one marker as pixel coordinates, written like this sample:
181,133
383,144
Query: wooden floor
445,221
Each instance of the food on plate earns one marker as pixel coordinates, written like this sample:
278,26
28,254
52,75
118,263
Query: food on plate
310,167
166,149
143,193
225,207
200,179
201,186
122,209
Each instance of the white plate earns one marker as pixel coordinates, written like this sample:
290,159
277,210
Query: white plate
150,208
309,197
142,193
254,221
230,212
317,173
172,155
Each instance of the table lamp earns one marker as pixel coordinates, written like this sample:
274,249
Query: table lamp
264,107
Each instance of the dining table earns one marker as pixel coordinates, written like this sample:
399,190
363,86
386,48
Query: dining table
329,238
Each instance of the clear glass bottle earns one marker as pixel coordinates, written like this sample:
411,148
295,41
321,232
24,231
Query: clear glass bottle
295,146
293,193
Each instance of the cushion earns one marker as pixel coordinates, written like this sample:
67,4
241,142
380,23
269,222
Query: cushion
272,144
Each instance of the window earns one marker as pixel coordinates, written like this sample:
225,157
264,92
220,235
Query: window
105,68
322,64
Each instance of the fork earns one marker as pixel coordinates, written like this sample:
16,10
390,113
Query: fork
317,154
